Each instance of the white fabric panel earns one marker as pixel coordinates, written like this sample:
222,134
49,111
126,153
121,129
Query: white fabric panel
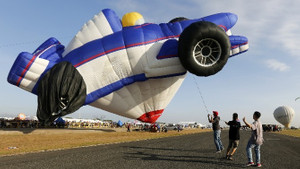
98,73
91,31
239,49
176,83
105,70
127,106
95,72
134,100
161,67
244,47
39,65
120,64
33,74
102,24
153,50
229,32
27,85
95,28
235,51
163,71
74,43
141,97
137,59
85,35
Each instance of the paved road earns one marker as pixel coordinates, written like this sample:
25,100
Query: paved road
190,151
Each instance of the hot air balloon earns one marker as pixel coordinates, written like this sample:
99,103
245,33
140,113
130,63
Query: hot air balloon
21,116
284,115
130,70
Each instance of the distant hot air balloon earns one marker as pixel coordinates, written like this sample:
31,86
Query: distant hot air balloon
22,116
284,115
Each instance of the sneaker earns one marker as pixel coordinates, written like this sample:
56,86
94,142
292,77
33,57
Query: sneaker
218,151
229,157
258,165
250,164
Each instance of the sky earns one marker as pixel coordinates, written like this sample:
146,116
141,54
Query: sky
262,79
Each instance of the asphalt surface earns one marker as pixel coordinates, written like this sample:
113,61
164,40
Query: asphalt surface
189,151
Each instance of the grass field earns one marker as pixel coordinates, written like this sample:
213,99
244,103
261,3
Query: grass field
13,142
294,133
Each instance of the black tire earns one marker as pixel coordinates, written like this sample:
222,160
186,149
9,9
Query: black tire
178,19
203,48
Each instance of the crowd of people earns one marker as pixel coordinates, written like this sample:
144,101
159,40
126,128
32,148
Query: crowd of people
17,123
271,127
85,123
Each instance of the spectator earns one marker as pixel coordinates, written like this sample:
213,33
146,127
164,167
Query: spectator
256,139
234,135
217,130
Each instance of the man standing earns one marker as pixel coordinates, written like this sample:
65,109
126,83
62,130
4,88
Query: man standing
234,135
217,130
256,139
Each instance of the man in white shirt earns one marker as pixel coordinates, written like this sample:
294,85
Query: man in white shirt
256,139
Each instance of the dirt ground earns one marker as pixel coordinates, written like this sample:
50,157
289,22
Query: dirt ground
25,140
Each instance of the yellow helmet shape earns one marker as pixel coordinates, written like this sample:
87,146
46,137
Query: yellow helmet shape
132,18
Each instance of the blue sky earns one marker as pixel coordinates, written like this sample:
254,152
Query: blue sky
265,77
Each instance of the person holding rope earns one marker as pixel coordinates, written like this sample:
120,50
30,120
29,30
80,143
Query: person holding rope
217,130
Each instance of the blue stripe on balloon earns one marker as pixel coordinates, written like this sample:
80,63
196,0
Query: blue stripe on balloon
95,95
91,97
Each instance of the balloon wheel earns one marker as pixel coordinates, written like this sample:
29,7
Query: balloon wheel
207,52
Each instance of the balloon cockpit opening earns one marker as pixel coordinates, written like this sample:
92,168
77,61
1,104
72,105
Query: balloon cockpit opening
132,19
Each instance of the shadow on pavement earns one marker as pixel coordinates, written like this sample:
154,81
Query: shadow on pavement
172,157
170,149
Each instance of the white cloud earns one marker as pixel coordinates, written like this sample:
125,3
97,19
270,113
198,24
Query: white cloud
277,65
287,37
271,24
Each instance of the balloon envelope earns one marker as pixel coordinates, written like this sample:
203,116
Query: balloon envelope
132,71
22,116
284,115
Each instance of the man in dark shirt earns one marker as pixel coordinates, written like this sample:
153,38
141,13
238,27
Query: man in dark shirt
234,135
217,130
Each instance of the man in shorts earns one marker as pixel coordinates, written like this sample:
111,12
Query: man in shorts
234,135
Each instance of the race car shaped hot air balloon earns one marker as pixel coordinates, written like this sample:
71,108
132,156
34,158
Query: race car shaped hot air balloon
132,70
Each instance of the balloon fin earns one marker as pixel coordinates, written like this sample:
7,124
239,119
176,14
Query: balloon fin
29,68
105,23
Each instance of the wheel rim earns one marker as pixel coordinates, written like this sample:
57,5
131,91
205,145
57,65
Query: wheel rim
207,52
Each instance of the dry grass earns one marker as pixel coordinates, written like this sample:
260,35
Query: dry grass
47,139
294,133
